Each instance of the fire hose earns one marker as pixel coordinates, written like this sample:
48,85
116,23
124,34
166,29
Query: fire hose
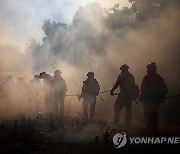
79,97
106,91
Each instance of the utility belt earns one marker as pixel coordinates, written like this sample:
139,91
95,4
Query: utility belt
88,95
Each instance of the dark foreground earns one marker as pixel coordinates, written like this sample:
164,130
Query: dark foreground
73,136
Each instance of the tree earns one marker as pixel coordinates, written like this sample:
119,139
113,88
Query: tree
51,29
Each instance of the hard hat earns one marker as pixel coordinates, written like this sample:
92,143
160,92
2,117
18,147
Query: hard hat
151,65
20,79
57,72
41,74
36,76
9,77
124,67
90,74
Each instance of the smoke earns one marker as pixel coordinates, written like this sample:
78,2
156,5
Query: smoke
101,39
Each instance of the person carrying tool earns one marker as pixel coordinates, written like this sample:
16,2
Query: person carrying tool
153,93
48,91
35,89
58,93
129,90
90,90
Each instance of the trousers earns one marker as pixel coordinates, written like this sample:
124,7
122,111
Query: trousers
92,101
121,102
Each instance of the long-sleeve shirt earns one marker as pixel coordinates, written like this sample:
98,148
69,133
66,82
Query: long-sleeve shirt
124,81
90,87
153,87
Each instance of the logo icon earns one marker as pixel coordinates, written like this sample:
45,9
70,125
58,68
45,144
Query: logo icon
120,140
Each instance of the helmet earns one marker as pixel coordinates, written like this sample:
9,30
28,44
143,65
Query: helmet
58,72
124,67
90,74
41,75
151,65
20,79
36,76
9,77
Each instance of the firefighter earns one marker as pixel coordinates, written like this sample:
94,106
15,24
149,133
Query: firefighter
8,95
90,90
126,83
58,93
22,95
35,89
47,92
153,93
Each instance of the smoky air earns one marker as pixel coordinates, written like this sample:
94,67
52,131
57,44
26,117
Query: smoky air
99,40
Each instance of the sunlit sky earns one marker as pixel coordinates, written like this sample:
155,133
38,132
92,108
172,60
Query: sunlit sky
21,20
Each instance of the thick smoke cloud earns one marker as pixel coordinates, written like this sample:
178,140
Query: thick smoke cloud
101,39
13,61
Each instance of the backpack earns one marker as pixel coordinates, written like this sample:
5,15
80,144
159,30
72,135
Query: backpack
91,87
156,89
130,88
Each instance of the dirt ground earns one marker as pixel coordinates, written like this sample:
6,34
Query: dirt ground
74,135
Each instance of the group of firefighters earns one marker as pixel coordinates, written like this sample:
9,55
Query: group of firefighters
153,92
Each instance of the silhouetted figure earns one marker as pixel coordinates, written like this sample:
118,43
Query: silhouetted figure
5,87
22,96
90,90
35,89
126,83
58,92
47,91
153,93
8,96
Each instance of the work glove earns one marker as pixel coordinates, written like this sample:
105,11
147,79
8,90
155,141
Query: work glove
112,92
